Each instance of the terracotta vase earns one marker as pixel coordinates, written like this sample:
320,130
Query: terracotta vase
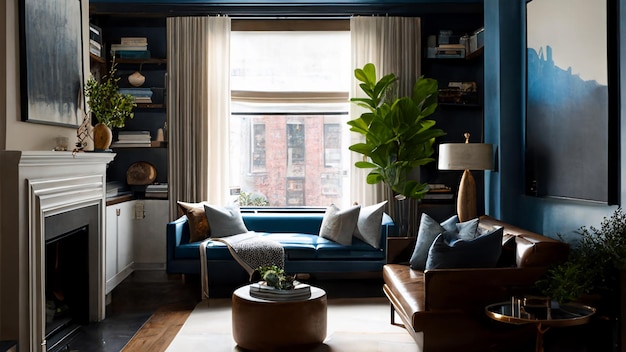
102,137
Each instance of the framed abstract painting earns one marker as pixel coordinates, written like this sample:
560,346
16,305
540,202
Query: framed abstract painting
51,61
572,100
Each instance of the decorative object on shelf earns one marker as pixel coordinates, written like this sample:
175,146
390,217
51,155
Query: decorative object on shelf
62,144
83,133
108,106
466,156
398,137
136,79
141,173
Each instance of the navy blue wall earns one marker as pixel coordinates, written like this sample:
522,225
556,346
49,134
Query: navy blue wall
504,126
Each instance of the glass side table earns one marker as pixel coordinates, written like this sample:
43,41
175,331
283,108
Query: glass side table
542,313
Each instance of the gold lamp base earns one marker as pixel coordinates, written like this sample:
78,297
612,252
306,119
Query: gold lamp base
466,201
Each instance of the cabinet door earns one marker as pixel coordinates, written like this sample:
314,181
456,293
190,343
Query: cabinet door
125,236
110,239
150,235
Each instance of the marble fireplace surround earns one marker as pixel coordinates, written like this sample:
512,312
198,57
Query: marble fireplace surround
33,186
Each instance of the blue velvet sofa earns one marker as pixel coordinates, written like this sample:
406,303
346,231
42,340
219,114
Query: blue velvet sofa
305,251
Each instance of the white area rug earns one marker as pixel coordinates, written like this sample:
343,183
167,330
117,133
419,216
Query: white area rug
353,325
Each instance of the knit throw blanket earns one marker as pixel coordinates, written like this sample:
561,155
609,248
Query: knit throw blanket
250,250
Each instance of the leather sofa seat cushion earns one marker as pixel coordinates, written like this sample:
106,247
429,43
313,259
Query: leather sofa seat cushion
407,286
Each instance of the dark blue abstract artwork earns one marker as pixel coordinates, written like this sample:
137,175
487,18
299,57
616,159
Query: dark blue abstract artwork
51,59
567,104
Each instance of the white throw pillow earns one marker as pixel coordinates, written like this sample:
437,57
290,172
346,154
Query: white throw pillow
369,224
338,225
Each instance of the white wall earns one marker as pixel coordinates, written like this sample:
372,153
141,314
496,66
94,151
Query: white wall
15,134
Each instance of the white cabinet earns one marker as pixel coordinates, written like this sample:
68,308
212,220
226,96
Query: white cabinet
119,243
149,234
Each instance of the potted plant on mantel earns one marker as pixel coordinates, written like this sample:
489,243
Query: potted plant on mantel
398,137
108,106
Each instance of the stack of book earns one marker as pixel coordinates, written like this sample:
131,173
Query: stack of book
438,193
95,40
141,95
132,139
451,51
157,190
131,48
261,290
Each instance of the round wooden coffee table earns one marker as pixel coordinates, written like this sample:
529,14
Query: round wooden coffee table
260,324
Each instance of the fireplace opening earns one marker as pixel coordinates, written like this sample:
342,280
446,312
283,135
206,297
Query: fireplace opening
66,286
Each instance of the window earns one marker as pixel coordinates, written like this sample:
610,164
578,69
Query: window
289,112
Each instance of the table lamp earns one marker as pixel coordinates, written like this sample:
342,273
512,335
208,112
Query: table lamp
466,156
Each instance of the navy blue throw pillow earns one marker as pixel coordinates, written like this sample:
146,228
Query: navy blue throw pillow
449,251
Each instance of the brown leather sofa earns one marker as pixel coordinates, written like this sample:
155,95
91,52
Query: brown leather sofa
443,309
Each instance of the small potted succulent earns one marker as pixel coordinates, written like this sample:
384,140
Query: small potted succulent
109,107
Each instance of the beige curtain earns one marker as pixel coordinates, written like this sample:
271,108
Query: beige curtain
198,51
393,45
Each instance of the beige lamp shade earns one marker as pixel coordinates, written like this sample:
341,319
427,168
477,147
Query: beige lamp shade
466,156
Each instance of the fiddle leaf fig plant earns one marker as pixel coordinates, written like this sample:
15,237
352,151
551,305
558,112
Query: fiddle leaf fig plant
106,103
398,135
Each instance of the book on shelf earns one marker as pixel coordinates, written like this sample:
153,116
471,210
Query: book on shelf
156,190
95,48
134,137
439,195
131,54
126,134
438,187
156,195
122,47
143,100
130,144
136,92
95,34
157,187
134,41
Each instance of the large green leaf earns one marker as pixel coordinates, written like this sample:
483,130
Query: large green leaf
398,138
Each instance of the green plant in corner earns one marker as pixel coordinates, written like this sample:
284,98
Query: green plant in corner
398,137
594,265
106,103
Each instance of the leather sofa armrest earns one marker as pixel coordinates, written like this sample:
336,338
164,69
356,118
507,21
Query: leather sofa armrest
480,286
400,249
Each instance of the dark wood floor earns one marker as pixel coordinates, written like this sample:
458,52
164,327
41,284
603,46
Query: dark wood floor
144,294
157,305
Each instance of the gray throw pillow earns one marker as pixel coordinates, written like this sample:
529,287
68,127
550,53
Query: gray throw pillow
224,221
428,230
369,224
449,251
338,225
467,230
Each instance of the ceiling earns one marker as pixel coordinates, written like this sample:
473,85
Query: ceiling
284,8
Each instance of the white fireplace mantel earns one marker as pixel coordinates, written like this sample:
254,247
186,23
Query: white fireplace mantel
33,186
